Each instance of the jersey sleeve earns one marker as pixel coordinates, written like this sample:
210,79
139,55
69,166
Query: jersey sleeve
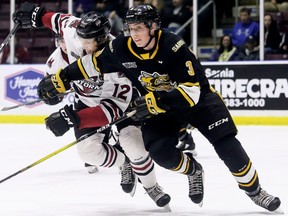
108,102
113,102
184,70
57,21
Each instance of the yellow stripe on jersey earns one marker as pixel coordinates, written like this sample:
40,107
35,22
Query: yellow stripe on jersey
129,44
144,56
81,68
95,63
94,59
186,96
190,84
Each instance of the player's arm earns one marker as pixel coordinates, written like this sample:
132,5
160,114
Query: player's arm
114,100
29,15
54,84
183,70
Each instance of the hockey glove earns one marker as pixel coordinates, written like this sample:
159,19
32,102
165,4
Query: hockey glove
29,15
146,107
60,122
50,87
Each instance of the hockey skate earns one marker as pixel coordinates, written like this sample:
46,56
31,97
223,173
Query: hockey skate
92,168
159,197
128,178
265,200
187,144
196,185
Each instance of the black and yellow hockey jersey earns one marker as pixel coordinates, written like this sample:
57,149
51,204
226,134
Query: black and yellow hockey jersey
170,68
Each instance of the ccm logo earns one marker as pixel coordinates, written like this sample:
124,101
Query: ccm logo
217,123
34,14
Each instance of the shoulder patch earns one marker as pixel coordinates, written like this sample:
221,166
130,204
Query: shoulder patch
178,45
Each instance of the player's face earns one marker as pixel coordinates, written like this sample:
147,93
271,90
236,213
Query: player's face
139,33
62,44
89,45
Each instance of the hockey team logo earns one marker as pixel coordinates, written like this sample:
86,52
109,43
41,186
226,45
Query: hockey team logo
21,87
34,16
156,81
90,85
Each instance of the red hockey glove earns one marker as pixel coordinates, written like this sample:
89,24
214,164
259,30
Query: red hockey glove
60,122
29,15
146,107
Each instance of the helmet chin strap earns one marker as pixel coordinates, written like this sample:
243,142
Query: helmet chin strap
150,39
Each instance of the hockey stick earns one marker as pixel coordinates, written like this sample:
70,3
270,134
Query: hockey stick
10,35
125,116
28,103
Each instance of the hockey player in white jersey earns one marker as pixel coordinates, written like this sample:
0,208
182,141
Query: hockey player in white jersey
59,59
101,100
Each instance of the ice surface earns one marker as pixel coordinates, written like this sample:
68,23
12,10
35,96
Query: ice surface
61,186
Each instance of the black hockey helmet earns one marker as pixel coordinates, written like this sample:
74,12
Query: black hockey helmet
93,25
143,13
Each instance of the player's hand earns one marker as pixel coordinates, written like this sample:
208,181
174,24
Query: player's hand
50,87
29,15
146,107
60,122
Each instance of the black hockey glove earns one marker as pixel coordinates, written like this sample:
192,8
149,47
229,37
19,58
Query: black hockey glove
146,107
50,87
29,15
60,122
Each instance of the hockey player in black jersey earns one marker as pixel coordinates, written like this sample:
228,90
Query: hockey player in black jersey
175,91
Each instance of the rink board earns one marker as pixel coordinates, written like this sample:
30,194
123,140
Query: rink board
255,92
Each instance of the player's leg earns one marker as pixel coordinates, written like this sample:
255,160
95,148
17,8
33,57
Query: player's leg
216,124
131,141
95,151
160,135
91,168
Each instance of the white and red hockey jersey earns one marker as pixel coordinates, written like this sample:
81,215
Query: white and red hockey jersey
65,25
58,59
107,97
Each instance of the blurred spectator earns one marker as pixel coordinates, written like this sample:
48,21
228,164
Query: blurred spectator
226,51
81,7
244,28
159,4
174,15
116,22
22,55
276,6
284,44
223,9
205,19
105,8
250,52
272,36
138,2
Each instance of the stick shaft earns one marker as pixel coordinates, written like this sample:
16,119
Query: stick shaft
29,103
125,116
10,35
